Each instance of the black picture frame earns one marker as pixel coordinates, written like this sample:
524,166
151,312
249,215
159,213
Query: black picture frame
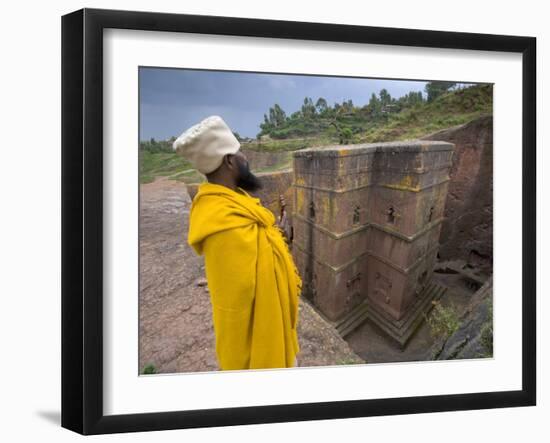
82,218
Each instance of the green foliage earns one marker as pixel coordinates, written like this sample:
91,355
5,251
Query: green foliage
146,178
321,106
421,118
153,145
311,120
385,97
435,89
374,108
277,118
345,135
443,321
149,369
319,119
486,336
308,109
292,144
410,100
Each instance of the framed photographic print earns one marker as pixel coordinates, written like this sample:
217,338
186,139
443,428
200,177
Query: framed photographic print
268,221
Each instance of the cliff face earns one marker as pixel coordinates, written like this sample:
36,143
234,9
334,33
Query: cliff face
474,337
276,184
467,232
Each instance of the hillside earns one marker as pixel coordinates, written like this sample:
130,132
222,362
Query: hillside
364,125
450,109
379,121
160,164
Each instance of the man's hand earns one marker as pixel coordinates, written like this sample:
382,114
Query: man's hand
282,223
282,220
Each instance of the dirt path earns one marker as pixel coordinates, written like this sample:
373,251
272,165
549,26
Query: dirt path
176,332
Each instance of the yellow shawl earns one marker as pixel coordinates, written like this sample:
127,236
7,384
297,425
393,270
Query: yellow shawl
253,282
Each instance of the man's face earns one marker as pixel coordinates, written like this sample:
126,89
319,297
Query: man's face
245,178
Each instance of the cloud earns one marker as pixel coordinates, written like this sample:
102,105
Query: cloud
278,82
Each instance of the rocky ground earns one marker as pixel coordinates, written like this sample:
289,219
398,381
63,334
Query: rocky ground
176,331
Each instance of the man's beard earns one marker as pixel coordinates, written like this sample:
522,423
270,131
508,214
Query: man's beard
247,180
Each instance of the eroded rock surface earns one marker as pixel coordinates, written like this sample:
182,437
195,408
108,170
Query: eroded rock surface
467,232
474,337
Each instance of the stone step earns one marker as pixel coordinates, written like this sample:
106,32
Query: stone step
353,320
399,330
402,330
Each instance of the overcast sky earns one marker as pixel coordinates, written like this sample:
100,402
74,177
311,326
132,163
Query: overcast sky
172,100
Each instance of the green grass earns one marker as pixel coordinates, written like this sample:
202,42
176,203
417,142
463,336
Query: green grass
160,164
286,163
275,168
192,176
291,144
450,109
169,164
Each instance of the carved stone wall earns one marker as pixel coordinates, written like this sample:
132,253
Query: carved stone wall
367,220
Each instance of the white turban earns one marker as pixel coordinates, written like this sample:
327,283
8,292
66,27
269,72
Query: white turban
205,144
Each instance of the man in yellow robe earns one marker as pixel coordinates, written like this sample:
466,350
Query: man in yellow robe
253,281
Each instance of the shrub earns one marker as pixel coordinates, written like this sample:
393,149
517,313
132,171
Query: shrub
443,321
487,331
149,369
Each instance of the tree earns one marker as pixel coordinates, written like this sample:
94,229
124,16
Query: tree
308,109
411,99
321,105
385,97
374,106
276,119
277,116
347,106
435,89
